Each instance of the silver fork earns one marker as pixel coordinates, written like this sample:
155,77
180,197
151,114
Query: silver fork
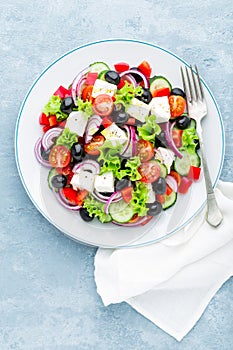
197,110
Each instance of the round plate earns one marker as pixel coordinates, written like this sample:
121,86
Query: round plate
34,176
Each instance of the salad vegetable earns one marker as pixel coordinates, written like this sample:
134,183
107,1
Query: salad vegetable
118,143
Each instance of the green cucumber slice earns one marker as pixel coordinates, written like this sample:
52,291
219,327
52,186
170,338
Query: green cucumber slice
159,82
182,165
101,75
121,211
51,174
98,67
169,200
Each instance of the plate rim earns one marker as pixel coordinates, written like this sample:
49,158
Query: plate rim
130,244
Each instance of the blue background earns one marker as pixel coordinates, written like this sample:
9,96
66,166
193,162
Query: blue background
48,297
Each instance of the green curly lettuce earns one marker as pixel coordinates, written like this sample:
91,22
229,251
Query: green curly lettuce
149,129
131,169
109,155
139,198
127,93
189,140
67,138
52,107
96,208
85,106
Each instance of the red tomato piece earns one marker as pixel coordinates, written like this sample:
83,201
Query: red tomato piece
103,105
145,150
121,84
168,190
121,67
194,173
160,198
176,176
106,121
92,147
161,92
46,128
86,93
177,105
91,78
127,193
67,171
185,183
59,156
62,92
43,119
145,68
177,137
150,171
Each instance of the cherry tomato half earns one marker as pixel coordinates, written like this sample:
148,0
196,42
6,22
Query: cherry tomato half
150,171
145,68
145,150
86,93
59,156
177,137
103,105
92,147
177,105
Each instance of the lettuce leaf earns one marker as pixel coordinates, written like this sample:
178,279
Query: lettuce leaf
149,129
96,208
139,198
85,106
189,140
52,107
67,138
127,93
109,156
131,169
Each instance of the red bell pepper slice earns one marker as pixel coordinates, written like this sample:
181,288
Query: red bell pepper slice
43,119
145,68
62,92
121,67
52,120
194,173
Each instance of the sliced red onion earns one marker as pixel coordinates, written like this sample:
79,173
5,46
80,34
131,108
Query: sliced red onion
77,81
64,202
49,136
171,182
86,165
128,132
134,71
130,79
105,199
115,197
37,149
79,86
134,140
93,125
167,128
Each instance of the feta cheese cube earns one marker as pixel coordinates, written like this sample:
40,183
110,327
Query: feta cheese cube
166,156
138,110
159,106
104,182
103,87
84,180
151,193
77,122
115,134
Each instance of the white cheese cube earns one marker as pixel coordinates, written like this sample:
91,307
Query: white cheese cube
103,87
166,156
151,193
77,122
159,106
115,134
104,182
138,110
84,180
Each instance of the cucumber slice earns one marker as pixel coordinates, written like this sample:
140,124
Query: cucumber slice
182,165
169,200
159,82
98,67
101,75
51,174
121,211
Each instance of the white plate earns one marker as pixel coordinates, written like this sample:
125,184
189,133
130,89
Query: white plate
34,177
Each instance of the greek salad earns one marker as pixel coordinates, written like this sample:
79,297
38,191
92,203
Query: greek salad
118,143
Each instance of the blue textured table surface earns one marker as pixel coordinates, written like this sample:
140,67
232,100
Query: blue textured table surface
48,297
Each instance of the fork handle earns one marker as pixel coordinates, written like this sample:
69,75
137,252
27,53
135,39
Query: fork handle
214,216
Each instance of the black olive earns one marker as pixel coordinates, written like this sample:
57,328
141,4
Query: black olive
154,208
197,143
159,186
178,92
118,108
85,215
77,152
59,181
121,118
67,104
145,97
123,162
136,76
120,184
111,76
45,153
106,194
160,140
183,122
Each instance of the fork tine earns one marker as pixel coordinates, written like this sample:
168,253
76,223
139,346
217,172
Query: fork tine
194,83
189,83
183,81
200,84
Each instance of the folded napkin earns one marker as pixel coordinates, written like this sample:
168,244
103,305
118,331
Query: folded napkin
172,282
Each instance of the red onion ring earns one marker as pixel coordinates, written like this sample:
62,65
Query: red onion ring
134,71
48,137
93,122
115,197
64,202
76,81
132,224
128,132
134,140
88,164
171,182
130,79
37,150
104,199
167,128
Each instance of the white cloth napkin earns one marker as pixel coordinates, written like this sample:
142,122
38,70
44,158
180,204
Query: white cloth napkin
172,282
